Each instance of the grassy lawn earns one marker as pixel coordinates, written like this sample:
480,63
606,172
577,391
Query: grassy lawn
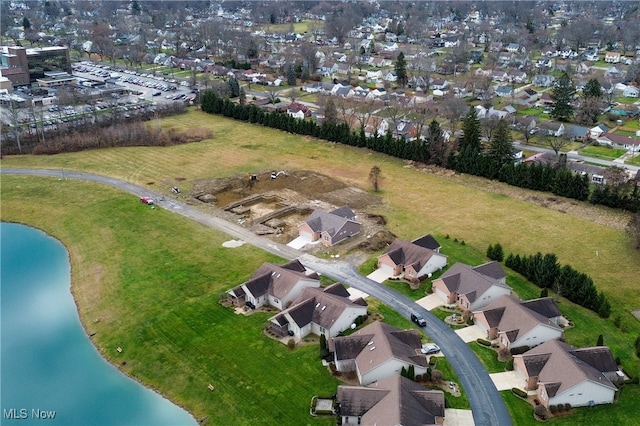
602,152
625,133
157,297
488,357
155,294
635,160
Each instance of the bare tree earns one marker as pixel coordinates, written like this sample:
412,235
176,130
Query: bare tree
453,109
556,143
375,177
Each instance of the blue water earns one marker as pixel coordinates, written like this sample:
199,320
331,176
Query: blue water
47,360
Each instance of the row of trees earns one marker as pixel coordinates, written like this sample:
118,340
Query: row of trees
466,155
545,272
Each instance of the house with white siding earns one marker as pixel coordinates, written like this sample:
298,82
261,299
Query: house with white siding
274,285
328,311
562,374
378,351
516,323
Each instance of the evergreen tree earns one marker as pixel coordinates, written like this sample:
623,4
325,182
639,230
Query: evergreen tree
604,310
468,158
501,146
600,341
291,76
411,373
592,89
436,145
562,94
26,24
544,293
234,87
401,69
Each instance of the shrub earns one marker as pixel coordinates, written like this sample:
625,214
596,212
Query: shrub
519,350
519,392
484,342
540,411
291,344
567,407
509,365
433,361
553,409
617,321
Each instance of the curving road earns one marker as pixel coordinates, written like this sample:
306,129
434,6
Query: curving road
487,406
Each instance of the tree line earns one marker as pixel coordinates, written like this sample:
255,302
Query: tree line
465,155
545,272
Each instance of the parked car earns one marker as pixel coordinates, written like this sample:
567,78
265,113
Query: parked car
146,200
417,318
430,348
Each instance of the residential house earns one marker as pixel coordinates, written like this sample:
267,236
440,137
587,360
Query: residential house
274,285
562,374
513,48
584,67
576,133
502,112
504,91
499,76
331,227
543,80
439,84
378,351
516,323
620,141
328,311
412,260
596,174
613,74
516,76
472,288
631,92
395,400
552,128
528,122
373,75
597,131
298,110
612,57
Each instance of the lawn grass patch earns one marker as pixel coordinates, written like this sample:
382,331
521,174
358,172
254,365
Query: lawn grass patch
488,357
602,152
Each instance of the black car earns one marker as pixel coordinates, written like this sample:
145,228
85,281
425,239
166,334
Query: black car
417,318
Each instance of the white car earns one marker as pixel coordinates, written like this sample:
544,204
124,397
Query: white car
430,348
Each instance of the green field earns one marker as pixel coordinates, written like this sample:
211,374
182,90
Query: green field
157,296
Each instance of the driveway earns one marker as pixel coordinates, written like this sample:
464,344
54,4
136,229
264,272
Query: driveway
471,333
379,275
487,406
299,242
456,417
507,380
430,302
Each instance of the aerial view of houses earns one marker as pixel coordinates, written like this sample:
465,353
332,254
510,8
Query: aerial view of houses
326,141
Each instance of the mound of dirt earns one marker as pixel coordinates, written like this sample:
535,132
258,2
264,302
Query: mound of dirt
297,187
378,241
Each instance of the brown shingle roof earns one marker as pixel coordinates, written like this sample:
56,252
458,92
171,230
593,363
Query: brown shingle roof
563,366
388,342
319,306
408,254
395,400
277,280
465,280
513,317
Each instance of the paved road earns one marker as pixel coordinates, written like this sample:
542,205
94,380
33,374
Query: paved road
487,406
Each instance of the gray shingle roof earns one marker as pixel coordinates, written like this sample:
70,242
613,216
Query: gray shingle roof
427,242
465,280
277,280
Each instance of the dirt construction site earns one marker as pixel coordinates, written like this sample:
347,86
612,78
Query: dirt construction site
275,203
